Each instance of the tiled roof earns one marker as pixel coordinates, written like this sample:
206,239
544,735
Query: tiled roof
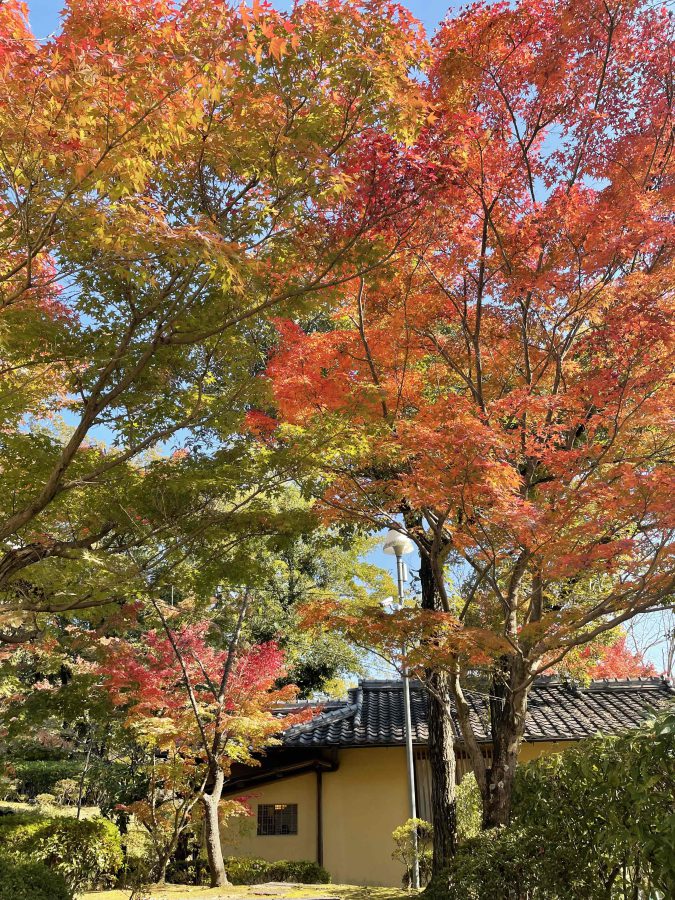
557,710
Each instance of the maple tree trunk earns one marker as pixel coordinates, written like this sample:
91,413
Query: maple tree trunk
442,764
441,748
162,865
508,707
214,850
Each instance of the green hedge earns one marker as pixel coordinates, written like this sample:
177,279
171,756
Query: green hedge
245,870
594,822
31,881
40,776
86,853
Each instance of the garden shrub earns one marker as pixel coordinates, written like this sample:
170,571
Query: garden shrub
45,800
469,817
114,785
36,747
469,808
302,871
10,788
405,849
26,880
499,864
595,821
86,853
189,864
608,804
67,791
35,777
247,870
139,860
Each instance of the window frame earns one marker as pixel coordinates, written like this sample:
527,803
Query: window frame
277,819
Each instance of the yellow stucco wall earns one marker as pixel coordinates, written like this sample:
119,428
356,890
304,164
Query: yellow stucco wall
363,801
239,837
532,751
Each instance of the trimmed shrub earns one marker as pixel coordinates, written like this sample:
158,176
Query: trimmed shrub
86,853
24,880
246,870
45,800
41,746
67,791
40,776
302,871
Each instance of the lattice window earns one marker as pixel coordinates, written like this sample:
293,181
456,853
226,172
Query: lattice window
277,818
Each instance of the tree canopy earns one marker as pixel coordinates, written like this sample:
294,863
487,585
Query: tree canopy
272,282
168,177
501,391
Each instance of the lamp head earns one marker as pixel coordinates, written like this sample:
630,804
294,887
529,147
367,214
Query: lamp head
397,544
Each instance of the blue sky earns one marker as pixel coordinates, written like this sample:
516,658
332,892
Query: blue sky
44,14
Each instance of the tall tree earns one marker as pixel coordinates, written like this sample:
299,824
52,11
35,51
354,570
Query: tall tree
170,175
298,563
502,392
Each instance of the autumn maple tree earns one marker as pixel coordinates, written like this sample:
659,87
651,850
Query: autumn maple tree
170,175
200,708
617,660
501,392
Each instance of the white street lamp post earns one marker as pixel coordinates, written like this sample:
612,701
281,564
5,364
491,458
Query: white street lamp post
397,544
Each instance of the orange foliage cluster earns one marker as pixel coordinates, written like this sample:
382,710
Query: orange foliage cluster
504,383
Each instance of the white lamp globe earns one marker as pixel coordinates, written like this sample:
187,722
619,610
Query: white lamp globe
397,544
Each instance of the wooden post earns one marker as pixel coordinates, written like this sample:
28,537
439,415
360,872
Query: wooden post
319,816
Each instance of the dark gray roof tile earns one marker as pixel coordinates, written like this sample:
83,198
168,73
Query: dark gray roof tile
373,715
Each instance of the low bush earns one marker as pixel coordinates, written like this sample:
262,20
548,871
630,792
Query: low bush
22,880
138,861
500,864
246,870
302,871
10,788
67,791
86,853
594,822
404,837
35,777
45,800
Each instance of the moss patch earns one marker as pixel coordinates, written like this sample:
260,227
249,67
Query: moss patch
257,891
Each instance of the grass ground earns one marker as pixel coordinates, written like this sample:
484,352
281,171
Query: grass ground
257,892
87,812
